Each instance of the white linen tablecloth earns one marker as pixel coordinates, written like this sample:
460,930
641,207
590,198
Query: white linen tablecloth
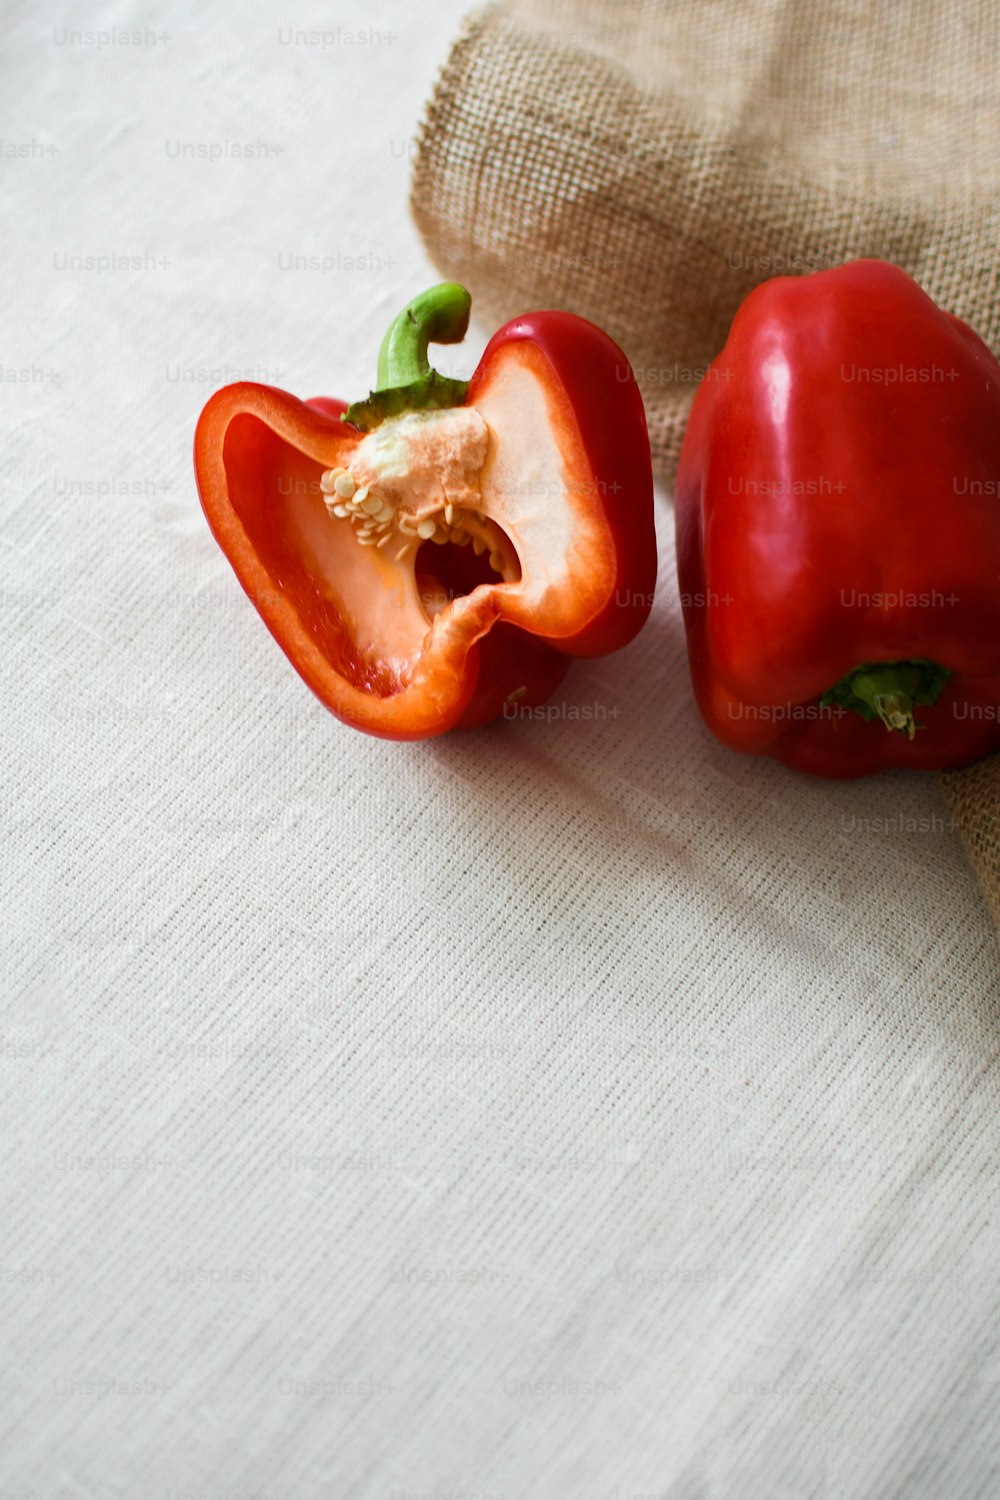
569,1109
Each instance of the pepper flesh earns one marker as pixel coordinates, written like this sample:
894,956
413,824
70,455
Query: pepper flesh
838,523
407,646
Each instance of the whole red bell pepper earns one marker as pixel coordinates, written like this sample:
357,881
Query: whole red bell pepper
441,550
838,528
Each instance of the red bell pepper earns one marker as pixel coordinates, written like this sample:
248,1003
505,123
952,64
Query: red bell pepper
437,551
838,528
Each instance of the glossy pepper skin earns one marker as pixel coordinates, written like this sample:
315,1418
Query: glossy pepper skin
838,529
449,634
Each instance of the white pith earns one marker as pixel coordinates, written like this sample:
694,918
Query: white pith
415,479
524,486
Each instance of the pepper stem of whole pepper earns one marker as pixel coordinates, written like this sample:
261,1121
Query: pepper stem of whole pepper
405,380
889,691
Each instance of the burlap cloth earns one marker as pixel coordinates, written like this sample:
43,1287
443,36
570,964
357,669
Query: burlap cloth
647,162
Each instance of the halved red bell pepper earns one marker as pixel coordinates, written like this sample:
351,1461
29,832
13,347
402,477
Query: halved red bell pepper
440,550
838,528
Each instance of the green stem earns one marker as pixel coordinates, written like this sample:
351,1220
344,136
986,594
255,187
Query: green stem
405,380
889,691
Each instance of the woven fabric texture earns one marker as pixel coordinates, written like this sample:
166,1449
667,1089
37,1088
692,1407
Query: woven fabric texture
647,163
